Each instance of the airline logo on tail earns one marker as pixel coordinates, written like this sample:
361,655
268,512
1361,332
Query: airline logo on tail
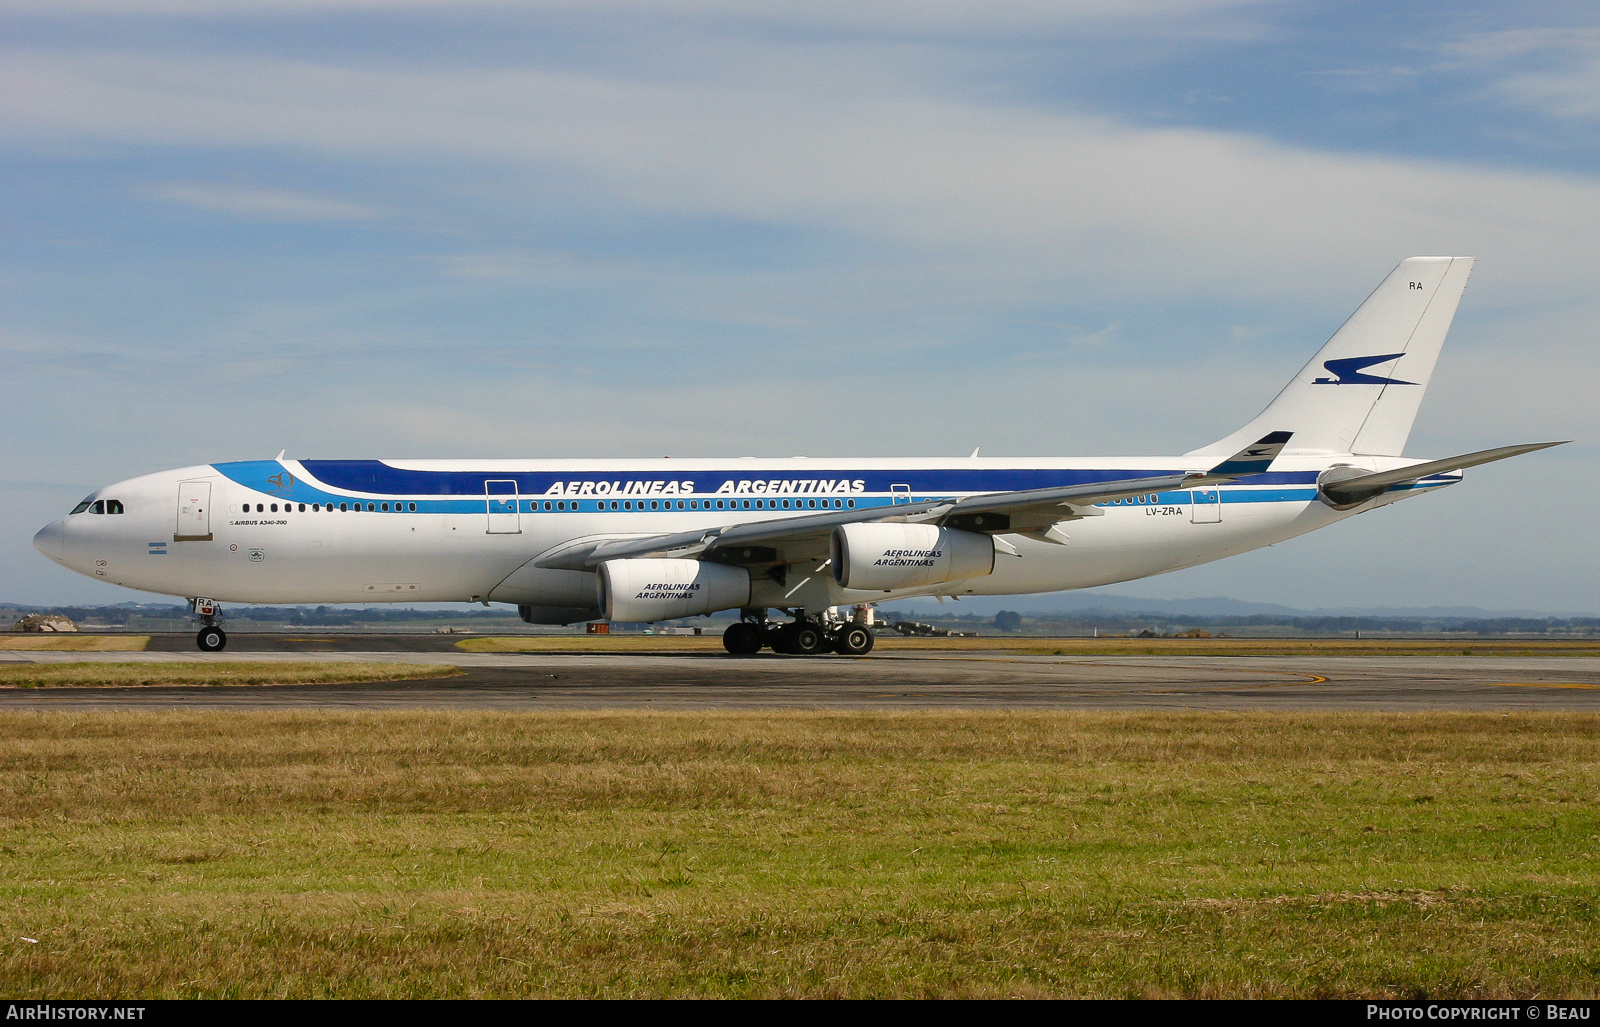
1347,371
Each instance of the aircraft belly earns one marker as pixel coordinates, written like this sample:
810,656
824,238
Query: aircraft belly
1133,543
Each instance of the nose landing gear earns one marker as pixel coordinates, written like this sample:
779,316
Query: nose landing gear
211,639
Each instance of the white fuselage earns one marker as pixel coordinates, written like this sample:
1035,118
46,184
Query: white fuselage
450,531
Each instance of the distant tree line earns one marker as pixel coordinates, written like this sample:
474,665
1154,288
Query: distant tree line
321,616
1120,620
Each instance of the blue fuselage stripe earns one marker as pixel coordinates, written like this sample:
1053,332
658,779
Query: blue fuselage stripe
463,492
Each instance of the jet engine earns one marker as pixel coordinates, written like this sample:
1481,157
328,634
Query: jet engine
651,590
895,556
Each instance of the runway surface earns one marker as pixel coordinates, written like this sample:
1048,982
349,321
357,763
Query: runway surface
883,680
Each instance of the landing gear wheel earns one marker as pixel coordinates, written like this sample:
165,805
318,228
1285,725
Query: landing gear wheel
743,639
211,639
779,638
853,640
806,639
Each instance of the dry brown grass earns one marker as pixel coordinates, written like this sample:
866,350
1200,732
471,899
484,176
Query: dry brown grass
218,674
909,854
75,643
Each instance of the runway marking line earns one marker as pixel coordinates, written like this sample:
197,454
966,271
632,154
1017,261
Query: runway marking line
1310,679
1541,684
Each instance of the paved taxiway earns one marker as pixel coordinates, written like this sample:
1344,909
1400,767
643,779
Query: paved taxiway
886,679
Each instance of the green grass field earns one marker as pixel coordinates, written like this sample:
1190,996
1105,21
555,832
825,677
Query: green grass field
915,854
216,675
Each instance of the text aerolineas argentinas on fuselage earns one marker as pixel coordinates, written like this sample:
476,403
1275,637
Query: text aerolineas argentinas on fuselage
752,486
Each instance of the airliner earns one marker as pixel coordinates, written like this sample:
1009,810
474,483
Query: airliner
816,541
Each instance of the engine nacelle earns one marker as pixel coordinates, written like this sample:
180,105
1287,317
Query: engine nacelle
1328,490
895,556
651,590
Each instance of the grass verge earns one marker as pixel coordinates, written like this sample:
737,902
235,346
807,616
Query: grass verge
75,643
100,675
404,855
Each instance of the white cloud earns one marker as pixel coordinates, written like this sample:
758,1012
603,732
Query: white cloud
971,18
1554,71
1018,195
261,204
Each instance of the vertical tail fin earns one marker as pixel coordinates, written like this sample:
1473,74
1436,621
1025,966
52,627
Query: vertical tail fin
1360,393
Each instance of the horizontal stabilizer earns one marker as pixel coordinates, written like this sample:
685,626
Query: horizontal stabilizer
1254,459
1367,486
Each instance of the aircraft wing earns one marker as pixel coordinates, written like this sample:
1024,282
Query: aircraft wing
1369,486
1031,512
786,539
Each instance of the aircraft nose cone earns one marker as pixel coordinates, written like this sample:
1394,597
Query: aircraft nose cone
51,541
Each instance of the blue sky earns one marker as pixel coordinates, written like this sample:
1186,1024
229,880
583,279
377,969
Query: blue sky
621,227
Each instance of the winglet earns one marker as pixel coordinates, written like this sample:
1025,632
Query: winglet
1253,459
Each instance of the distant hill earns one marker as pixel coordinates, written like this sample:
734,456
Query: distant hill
1091,600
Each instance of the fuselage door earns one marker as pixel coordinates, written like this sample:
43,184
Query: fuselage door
1207,507
501,497
194,512
900,494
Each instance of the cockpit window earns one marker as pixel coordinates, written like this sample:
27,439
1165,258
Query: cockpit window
81,507
113,506
99,507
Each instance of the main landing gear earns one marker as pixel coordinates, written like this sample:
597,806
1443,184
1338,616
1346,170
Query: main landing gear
211,639
799,637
